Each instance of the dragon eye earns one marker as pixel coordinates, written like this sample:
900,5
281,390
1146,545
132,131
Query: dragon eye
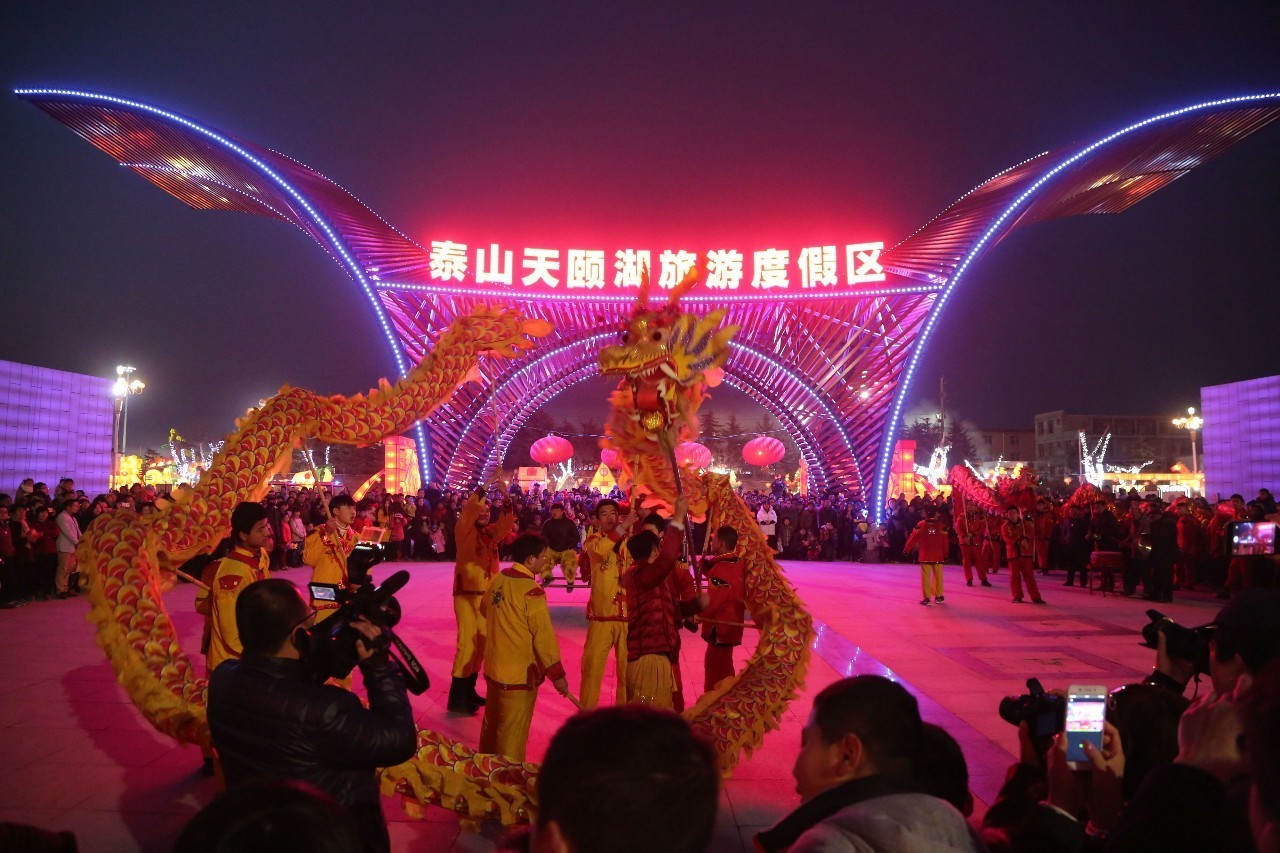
658,335
625,337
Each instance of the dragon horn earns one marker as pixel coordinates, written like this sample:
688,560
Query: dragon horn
642,303
686,284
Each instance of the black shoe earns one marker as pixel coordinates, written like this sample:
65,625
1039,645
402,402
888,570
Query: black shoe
987,583
938,599
1038,601
476,698
968,583
460,701
925,602
568,587
1069,583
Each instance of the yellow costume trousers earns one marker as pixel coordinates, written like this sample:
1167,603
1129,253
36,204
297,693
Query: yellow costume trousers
931,580
651,681
568,561
507,717
601,637
471,632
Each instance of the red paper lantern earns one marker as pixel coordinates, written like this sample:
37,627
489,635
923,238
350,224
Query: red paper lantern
552,449
763,450
609,457
693,455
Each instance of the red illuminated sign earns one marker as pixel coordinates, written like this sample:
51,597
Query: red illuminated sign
727,270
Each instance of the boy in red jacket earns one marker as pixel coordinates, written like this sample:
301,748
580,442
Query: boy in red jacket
931,540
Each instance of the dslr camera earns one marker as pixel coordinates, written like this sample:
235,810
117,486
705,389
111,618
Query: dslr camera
331,649
1179,641
1044,713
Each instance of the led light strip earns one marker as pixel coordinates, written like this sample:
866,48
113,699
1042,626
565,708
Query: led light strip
887,443
424,447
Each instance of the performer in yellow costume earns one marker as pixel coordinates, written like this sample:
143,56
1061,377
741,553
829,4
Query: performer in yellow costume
476,539
604,558
252,541
521,653
326,550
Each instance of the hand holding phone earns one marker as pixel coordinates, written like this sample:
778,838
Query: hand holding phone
1086,716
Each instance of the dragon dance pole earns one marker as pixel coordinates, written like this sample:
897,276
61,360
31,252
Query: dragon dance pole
668,445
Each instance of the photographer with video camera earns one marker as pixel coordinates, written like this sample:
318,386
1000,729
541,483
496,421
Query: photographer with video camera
271,716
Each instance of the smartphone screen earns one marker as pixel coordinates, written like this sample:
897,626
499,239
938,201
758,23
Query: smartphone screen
323,592
1086,712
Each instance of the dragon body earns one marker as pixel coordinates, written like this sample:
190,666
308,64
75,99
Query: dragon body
667,359
126,557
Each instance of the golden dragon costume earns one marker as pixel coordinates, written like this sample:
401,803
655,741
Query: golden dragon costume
125,557
666,359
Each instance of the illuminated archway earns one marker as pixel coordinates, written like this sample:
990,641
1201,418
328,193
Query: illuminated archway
852,344
554,371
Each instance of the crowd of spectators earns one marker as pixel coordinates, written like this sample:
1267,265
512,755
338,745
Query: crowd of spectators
1187,539
1159,546
1173,772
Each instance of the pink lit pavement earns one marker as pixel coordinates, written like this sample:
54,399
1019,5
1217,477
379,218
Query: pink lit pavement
75,754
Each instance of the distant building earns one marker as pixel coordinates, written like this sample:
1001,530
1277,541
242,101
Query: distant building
54,424
1012,445
1135,439
1242,437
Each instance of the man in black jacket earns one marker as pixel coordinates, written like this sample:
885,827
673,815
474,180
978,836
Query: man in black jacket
270,719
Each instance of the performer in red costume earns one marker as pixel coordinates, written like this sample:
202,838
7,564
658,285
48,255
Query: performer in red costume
971,528
660,594
1019,541
726,608
931,541
994,543
1190,546
1045,521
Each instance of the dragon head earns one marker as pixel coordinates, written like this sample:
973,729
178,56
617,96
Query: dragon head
664,354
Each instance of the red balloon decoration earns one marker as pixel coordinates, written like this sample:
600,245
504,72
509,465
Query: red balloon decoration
552,449
609,457
763,450
693,455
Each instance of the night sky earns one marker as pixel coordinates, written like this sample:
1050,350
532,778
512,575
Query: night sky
609,123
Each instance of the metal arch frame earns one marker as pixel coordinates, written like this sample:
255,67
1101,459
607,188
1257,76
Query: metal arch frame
996,229
322,225
584,366
894,323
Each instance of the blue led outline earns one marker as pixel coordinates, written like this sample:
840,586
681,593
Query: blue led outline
816,462
424,447
879,496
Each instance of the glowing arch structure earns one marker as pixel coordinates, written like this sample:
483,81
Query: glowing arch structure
835,366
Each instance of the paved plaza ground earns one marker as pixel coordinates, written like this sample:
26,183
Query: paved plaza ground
75,754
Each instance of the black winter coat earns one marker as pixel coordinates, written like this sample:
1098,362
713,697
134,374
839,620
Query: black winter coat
268,719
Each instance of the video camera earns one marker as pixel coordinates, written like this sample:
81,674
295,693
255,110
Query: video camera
332,652
1179,641
1044,713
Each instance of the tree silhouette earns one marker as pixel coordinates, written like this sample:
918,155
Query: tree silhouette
711,424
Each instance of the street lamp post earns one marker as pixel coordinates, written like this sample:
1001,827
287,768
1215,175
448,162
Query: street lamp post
122,390
1192,422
